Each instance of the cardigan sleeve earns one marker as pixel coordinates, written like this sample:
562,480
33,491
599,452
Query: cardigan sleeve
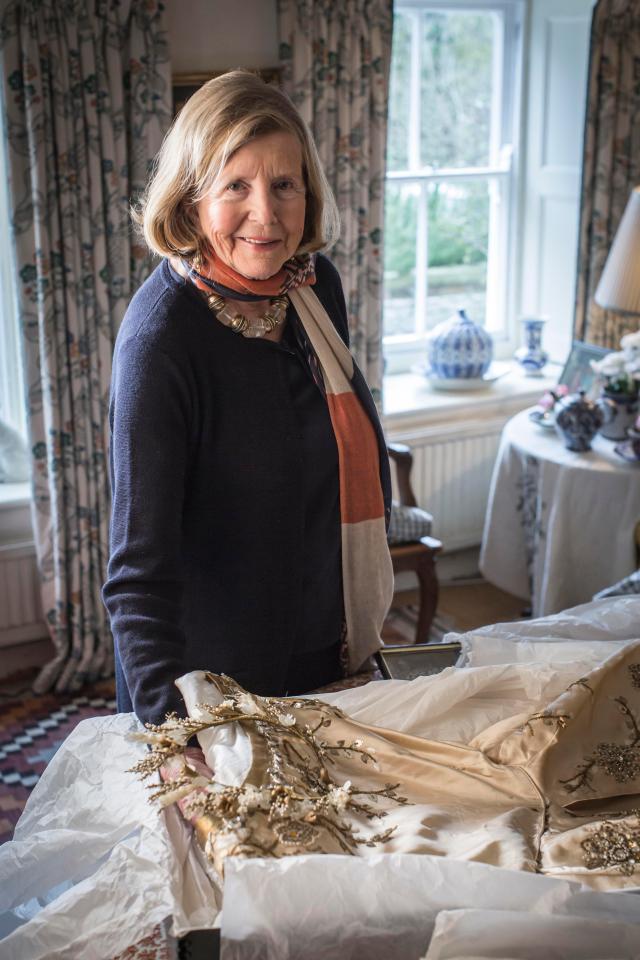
149,453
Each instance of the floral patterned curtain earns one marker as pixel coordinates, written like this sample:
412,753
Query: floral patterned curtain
611,166
87,99
335,56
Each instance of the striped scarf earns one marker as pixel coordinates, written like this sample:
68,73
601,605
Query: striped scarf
367,574
213,273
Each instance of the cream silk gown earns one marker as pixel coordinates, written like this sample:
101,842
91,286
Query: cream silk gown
556,792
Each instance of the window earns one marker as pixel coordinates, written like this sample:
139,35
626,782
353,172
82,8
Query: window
451,170
12,405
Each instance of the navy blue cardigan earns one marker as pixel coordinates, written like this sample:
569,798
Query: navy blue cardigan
206,521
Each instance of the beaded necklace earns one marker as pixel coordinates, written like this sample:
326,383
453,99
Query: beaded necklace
238,322
248,327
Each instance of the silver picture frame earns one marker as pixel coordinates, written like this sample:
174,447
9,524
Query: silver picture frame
577,373
417,660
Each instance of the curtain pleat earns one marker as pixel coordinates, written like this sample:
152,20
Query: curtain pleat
335,59
611,163
87,100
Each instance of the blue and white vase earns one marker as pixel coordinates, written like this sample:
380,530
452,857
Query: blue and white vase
532,357
458,348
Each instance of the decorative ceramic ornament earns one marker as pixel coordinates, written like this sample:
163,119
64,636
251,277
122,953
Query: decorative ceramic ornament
578,420
459,349
532,357
625,411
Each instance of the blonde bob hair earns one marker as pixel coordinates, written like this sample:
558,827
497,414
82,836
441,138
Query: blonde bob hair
222,116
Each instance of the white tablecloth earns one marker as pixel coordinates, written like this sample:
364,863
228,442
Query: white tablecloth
560,525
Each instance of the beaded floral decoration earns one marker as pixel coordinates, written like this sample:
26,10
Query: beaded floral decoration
618,760
621,761
614,845
298,798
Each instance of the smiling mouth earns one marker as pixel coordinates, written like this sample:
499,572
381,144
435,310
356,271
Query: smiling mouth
254,242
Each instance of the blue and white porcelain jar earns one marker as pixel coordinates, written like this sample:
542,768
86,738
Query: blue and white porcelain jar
458,348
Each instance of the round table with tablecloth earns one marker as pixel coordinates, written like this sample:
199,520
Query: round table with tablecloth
560,526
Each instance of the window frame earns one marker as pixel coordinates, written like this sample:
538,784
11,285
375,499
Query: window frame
401,350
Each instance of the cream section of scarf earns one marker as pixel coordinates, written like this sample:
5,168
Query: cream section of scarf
367,573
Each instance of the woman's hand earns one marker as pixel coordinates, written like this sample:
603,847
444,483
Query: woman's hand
195,758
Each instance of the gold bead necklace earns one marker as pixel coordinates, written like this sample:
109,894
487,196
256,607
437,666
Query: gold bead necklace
237,322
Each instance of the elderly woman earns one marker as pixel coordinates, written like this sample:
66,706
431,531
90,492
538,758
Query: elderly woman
249,472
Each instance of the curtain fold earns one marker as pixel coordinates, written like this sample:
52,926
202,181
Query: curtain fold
335,59
611,163
87,100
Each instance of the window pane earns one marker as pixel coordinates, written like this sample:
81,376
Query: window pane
456,88
12,406
398,120
401,202
458,234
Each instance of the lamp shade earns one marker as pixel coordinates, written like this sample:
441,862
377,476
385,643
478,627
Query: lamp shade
619,287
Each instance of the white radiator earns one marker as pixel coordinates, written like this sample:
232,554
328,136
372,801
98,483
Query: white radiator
21,616
452,466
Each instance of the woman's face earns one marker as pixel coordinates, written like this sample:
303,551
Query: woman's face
253,216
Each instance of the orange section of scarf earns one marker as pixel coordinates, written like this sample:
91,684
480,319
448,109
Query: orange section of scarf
297,272
358,457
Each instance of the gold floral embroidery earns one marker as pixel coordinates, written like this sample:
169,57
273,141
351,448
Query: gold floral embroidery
296,834
618,760
634,670
298,797
613,845
581,682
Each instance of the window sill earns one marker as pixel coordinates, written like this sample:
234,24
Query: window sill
15,514
410,397
14,495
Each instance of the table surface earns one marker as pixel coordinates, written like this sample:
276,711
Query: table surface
545,443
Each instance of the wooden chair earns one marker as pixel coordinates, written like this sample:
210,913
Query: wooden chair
418,555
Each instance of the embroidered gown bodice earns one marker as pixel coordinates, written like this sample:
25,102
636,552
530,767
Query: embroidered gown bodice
557,792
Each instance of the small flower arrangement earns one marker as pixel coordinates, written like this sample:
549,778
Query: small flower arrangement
543,412
549,398
620,370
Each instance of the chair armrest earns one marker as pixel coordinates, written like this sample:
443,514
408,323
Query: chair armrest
403,459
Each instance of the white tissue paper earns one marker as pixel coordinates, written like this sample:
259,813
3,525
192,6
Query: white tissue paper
384,906
93,866
597,629
476,934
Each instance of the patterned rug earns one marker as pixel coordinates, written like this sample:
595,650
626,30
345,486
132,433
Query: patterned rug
31,730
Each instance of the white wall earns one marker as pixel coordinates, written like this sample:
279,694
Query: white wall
215,35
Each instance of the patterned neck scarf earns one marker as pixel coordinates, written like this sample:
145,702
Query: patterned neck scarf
215,274
367,574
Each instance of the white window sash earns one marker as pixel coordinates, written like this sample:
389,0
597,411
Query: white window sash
501,175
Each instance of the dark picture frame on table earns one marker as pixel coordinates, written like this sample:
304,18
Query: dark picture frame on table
577,373
185,84
417,660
